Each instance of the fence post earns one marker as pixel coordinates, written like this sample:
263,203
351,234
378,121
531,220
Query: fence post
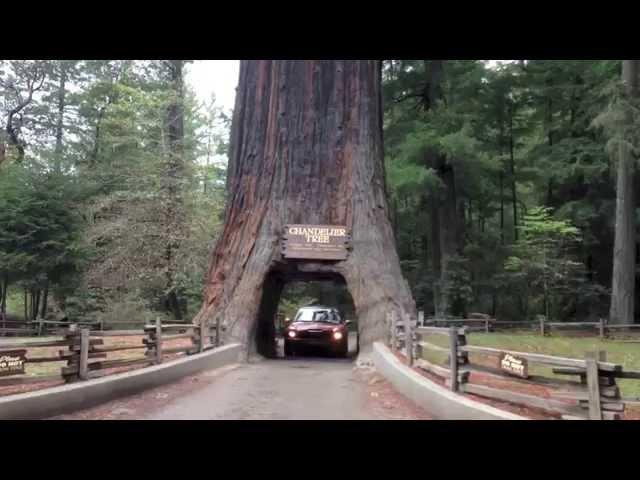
408,339
601,327
542,320
453,357
421,318
73,359
203,329
593,386
218,339
158,340
83,371
486,325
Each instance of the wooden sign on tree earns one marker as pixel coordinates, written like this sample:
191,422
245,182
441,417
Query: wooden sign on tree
315,242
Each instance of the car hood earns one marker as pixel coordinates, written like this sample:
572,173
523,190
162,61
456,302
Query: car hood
302,326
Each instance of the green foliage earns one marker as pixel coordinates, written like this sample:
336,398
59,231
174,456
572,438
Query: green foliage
39,235
89,217
543,257
548,114
456,285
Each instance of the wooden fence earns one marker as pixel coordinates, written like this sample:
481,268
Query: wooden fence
86,356
41,327
601,328
587,388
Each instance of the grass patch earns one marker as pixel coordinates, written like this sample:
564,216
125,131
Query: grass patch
626,354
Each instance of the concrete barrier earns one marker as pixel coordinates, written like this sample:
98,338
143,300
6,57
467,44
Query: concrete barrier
68,398
440,402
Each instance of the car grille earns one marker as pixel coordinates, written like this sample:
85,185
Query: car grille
315,334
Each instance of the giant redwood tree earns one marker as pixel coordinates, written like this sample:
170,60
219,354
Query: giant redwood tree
306,148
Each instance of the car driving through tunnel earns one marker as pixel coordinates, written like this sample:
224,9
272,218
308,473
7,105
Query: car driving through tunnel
317,326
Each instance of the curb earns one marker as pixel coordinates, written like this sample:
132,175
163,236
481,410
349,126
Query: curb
54,401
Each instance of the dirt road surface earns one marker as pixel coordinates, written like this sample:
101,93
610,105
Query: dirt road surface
304,388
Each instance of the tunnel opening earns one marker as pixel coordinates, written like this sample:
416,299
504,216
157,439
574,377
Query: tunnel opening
285,293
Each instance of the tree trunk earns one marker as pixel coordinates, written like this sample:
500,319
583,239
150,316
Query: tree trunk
449,232
3,295
3,148
172,189
306,147
26,305
60,117
444,212
436,254
501,207
624,262
433,84
32,302
45,298
35,305
512,172
550,143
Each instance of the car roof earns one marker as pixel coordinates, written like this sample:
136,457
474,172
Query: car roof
316,307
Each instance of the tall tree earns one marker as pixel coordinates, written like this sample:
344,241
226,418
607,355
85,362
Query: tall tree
173,182
306,147
624,251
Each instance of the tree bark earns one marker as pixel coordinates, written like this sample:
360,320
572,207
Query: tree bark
624,262
306,147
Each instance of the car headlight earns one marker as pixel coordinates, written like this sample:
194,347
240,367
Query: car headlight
337,335
292,334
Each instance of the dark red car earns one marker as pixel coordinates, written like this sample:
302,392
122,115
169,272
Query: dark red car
318,327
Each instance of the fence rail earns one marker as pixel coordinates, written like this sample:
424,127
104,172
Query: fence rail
600,328
42,327
588,389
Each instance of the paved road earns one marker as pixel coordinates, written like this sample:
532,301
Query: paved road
305,388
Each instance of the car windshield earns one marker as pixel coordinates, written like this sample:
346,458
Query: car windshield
309,315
